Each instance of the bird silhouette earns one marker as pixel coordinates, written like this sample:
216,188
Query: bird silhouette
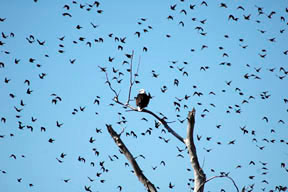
59,124
67,14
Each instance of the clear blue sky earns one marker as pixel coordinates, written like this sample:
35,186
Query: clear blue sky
255,46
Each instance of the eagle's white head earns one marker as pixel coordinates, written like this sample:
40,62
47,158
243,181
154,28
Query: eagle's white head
142,91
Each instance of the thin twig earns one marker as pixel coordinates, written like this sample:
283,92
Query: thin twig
131,82
109,83
123,129
136,74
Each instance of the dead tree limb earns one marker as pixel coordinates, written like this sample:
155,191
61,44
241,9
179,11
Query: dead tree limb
165,124
131,81
138,172
109,84
199,175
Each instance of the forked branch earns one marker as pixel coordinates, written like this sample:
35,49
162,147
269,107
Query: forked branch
109,84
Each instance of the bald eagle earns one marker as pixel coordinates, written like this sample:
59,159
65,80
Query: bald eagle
142,99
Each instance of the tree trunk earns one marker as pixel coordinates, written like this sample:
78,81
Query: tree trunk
199,175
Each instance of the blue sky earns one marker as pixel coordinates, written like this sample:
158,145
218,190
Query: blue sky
80,83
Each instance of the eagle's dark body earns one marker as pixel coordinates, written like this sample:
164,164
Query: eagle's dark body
142,99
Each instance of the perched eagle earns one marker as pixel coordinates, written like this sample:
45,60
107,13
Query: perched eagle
142,99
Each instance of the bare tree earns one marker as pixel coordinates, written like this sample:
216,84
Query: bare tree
199,175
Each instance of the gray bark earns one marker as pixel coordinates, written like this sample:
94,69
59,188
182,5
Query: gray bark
199,175
138,172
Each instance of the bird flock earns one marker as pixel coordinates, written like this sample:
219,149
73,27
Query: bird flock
62,63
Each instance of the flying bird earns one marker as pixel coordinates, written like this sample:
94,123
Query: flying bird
223,5
67,14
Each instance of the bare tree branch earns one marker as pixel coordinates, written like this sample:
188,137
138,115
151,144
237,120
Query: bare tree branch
221,176
131,82
109,83
138,172
136,74
199,174
165,124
